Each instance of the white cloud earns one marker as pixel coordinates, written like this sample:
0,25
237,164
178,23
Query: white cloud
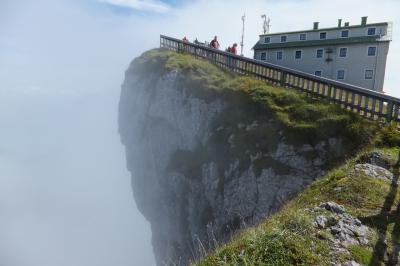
143,5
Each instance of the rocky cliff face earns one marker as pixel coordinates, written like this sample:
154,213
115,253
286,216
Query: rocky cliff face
206,162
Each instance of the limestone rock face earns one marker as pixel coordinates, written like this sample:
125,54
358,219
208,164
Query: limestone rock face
206,163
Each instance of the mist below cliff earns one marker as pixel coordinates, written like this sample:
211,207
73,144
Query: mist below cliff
65,196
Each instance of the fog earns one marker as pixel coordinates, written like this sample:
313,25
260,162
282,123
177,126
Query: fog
65,193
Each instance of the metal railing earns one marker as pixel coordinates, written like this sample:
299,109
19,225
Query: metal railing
368,103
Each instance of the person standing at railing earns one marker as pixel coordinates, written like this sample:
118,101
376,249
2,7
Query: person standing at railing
234,48
214,43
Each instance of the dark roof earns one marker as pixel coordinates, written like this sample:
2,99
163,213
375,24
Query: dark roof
328,29
339,41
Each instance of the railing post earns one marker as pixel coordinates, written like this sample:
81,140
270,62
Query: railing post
396,112
282,81
389,115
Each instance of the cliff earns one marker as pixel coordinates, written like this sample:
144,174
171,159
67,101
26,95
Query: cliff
211,152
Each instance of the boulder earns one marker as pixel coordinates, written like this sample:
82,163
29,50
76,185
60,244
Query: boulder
374,171
333,207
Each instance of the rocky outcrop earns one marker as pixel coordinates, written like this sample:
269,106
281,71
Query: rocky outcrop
206,162
340,229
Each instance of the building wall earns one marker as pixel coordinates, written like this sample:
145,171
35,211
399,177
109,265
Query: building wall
354,64
331,34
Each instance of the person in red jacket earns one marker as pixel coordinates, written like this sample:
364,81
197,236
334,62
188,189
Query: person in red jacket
234,48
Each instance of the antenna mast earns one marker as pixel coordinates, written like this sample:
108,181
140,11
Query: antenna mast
242,43
266,23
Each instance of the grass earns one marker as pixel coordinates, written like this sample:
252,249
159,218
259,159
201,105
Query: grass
362,255
289,242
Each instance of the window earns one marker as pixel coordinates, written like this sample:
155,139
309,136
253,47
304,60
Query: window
345,34
318,73
372,51
303,36
343,52
340,74
263,56
320,53
371,31
369,74
279,55
267,39
283,38
322,35
297,55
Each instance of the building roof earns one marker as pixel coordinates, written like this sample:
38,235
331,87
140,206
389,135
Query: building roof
328,29
339,41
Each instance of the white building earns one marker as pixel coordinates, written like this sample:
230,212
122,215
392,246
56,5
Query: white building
351,54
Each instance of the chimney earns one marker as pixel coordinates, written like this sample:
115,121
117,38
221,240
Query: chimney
316,25
346,24
364,21
339,23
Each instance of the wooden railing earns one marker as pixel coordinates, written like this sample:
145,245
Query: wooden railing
368,103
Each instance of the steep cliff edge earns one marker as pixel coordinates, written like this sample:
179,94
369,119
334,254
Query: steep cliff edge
210,152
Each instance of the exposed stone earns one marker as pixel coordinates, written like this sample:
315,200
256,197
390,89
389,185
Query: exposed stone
395,256
252,126
350,263
374,171
376,158
320,221
345,229
333,207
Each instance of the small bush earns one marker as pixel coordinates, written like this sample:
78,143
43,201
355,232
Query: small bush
389,136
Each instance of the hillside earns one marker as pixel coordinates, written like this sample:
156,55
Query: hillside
351,216
212,153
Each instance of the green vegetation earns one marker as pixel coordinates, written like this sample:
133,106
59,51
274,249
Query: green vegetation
361,254
289,237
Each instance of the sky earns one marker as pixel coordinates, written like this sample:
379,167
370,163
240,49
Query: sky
65,195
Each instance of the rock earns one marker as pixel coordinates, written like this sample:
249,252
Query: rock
395,257
375,158
350,263
338,189
321,221
374,171
348,219
252,126
333,207
347,231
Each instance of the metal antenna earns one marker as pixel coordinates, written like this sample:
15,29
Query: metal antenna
266,23
242,43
